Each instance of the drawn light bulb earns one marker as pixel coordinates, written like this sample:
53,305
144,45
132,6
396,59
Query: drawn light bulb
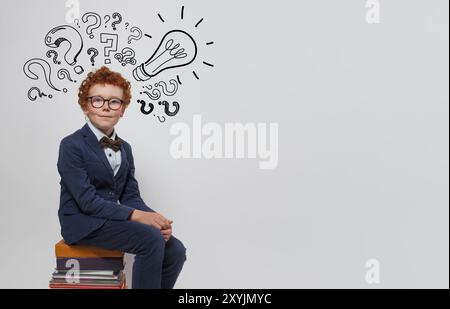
176,49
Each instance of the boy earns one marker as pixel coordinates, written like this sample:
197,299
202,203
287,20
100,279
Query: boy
100,203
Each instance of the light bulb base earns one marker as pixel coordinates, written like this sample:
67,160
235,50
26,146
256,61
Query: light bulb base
140,74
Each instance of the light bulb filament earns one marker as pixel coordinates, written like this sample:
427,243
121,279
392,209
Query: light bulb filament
173,51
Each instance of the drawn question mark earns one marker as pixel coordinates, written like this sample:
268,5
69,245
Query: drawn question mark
137,36
154,95
143,103
59,34
164,88
55,56
39,93
95,25
167,107
116,22
45,66
107,18
112,40
126,26
64,73
126,56
95,53
161,120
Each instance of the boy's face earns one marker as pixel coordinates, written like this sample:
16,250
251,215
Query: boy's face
104,118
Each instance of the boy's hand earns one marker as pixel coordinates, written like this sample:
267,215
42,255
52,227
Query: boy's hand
151,218
167,233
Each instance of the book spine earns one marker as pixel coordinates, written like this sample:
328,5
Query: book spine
114,264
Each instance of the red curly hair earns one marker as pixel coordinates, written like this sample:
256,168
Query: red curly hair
103,76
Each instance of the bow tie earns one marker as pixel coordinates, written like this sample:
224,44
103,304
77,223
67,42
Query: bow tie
113,144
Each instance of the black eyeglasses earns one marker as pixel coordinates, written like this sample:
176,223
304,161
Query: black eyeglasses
98,102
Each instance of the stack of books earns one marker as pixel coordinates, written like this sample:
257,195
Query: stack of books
87,267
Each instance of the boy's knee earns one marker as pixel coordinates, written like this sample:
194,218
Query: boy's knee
177,249
151,240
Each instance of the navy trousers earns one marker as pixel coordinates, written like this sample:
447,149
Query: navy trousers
157,263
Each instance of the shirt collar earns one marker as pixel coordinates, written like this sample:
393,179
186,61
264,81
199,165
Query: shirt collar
99,134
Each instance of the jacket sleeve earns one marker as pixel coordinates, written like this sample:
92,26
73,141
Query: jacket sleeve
76,180
131,195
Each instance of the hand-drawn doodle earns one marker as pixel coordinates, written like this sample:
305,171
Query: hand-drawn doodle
155,94
78,69
45,67
69,34
176,49
196,25
64,73
39,93
167,107
126,56
112,39
160,17
137,36
95,25
164,88
107,19
116,22
160,118
55,56
94,53
142,108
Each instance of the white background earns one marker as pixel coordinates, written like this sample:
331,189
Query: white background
363,142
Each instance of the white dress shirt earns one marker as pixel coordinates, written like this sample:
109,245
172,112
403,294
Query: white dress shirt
113,157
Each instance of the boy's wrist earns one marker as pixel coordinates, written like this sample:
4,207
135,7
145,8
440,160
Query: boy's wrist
135,215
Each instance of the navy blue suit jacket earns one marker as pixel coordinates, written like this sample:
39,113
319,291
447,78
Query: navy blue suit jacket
89,188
